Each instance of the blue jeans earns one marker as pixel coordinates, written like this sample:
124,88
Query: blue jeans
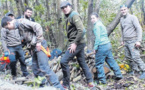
17,53
104,53
41,67
79,53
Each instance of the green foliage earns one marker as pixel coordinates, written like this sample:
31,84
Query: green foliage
37,82
7,77
39,8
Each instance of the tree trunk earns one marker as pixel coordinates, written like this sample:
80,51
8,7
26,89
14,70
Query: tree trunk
116,20
18,7
10,6
60,26
22,5
143,11
50,33
6,5
75,5
89,27
55,25
97,6
26,2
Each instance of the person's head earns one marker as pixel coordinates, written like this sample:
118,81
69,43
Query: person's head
28,12
124,10
7,22
11,15
94,17
66,7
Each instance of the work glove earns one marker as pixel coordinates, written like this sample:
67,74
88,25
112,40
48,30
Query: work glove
6,53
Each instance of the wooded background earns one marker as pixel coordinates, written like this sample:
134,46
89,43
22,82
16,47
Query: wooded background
49,15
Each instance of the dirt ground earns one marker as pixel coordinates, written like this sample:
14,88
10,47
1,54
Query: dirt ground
129,82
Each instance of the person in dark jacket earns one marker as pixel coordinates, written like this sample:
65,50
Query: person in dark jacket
27,14
75,33
11,42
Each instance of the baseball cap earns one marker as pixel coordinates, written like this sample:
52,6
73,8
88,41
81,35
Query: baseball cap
64,3
9,14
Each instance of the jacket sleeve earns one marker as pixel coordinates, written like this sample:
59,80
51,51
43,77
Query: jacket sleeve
97,37
3,39
35,27
80,28
138,28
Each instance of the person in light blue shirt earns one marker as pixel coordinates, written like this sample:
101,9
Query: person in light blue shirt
103,51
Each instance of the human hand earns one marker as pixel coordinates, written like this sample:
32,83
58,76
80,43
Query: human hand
122,43
38,46
137,44
72,48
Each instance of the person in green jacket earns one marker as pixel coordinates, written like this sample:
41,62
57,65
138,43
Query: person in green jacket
75,33
103,52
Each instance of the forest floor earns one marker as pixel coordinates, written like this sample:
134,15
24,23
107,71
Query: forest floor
129,82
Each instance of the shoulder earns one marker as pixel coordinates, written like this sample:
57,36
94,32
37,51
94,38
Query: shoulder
4,30
133,17
99,23
75,16
73,13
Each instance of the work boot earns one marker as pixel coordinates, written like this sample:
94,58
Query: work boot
142,76
14,77
118,78
66,87
91,84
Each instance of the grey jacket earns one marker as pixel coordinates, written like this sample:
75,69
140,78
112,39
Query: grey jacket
130,27
31,32
10,38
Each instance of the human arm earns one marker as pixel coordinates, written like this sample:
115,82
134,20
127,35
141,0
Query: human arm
96,31
3,39
35,28
138,31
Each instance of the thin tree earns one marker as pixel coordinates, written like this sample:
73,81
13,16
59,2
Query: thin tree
89,26
143,11
97,6
18,7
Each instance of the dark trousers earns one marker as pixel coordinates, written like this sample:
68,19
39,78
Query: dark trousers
79,53
17,53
